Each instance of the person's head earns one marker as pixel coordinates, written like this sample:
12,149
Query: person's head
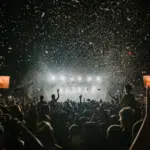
128,88
74,130
81,121
12,131
74,133
136,128
114,133
41,98
11,128
90,129
63,116
127,118
15,112
45,134
91,135
53,97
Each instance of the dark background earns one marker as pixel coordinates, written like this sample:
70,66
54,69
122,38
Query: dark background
78,34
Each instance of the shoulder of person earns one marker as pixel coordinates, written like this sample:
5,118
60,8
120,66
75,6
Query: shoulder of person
45,102
125,96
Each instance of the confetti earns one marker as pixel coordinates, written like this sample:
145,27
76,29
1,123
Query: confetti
43,14
10,48
74,35
128,19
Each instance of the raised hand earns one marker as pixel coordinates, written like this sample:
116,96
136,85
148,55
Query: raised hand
80,96
58,95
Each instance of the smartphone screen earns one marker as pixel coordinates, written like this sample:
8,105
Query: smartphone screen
146,79
4,82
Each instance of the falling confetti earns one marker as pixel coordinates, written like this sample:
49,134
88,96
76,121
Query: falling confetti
128,19
43,14
86,36
10,48
129,53
76,1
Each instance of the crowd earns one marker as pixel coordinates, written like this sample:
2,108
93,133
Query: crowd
89,125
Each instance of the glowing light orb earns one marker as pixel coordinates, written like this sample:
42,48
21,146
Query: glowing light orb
62,78
53,78
85,89
73,89
97,78
93,89
72,79
89,79
79,89
61,90
79,78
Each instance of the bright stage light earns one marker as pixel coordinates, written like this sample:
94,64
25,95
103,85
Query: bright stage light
71,79
89,79
53,78
98,78
73,89
79,78
67,90
93,89
79,89
85,89
61,90
62,78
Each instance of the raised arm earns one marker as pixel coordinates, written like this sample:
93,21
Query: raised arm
57,96
142,140
80,97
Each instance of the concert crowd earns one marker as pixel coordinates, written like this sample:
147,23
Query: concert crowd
29,124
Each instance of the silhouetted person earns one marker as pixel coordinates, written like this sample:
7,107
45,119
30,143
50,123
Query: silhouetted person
41,102
127,121
45,133
114,137
54,100
53,96
32,119
44,114
74,137
129,99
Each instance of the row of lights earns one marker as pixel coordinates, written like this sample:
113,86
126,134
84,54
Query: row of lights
78,90
79,78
